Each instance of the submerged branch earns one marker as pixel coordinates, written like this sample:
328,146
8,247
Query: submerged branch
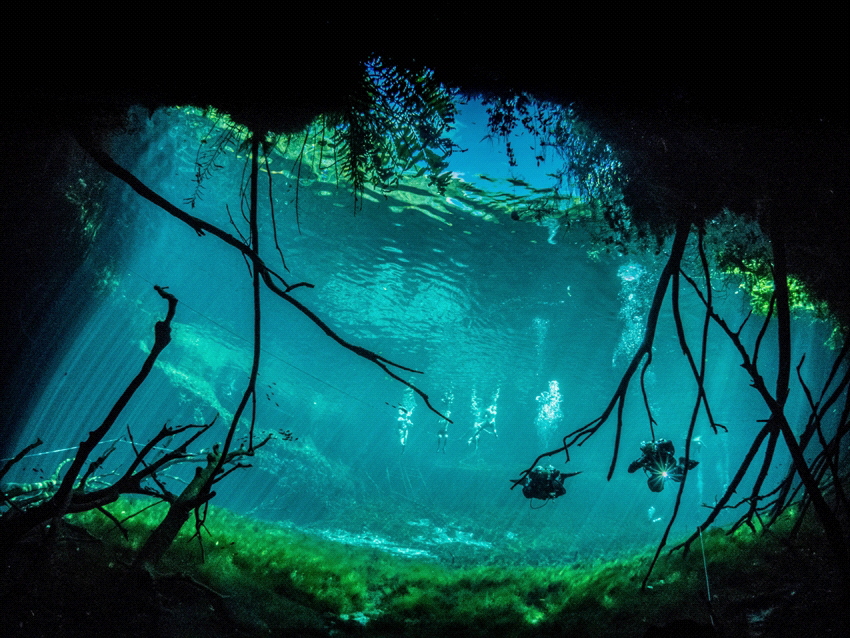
375,358
14,524
17,458
701,399
720,505
202,227
579,436
776,403
162,332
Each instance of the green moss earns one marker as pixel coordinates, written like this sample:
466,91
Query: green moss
272,565
742,251
757,279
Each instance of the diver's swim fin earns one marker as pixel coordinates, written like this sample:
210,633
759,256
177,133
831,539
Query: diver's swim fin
691,464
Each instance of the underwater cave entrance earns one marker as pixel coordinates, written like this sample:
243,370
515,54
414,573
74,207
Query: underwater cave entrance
493,310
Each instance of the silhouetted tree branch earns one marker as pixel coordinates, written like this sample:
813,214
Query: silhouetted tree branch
199,491
91,146
70,495
775,429
73,493
579,436
17,458
777,424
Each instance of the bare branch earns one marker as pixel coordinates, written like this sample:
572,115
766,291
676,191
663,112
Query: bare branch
202,227
115,521
17,458
579,436
162,333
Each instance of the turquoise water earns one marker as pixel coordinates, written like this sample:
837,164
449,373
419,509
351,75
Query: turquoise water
520,335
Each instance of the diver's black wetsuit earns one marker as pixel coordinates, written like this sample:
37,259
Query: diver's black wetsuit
658,460
544,483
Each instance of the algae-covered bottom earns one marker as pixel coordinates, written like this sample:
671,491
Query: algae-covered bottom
261,579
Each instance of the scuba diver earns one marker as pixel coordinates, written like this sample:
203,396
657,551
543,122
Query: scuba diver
545,483
404,423
442,439
478,429
658,460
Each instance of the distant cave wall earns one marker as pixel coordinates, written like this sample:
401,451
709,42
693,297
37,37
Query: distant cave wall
51,213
